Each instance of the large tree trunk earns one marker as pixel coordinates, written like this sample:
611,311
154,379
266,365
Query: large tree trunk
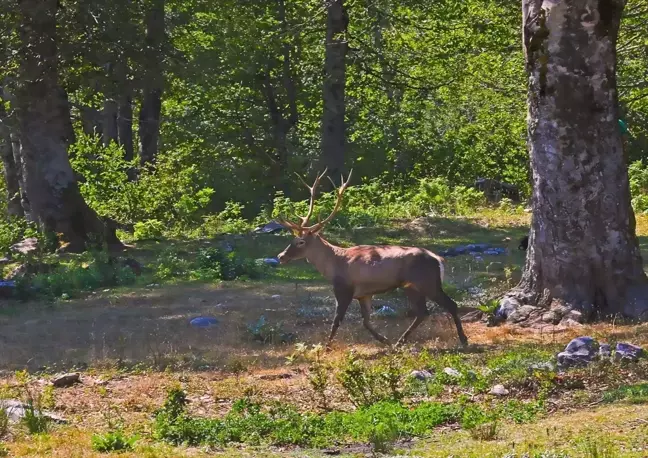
153,83
109,114
583,252
333,125
125,111
11,171
50,183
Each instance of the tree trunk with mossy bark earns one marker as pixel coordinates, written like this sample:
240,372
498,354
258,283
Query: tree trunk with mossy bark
583,253
44,125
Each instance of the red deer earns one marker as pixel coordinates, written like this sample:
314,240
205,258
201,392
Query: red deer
361,271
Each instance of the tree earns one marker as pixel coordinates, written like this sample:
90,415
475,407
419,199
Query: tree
583,252
44,125
11,170
152,82
333,122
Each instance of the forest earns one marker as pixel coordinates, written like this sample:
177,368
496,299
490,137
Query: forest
157,156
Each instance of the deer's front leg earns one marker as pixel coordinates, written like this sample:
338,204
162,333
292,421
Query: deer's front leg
343,297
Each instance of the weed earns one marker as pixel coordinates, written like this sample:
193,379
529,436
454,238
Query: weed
4,422
484,431
596,448
34,420
113,441
48,397
318,371
265,332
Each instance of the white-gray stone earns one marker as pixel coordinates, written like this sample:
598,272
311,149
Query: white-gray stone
499,390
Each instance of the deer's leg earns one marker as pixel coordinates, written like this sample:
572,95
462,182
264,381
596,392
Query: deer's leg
416,300
365,309
450,306
343,297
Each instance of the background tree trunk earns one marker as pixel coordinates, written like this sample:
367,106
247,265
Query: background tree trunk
583,252
44,130
333,125
153,83
11,171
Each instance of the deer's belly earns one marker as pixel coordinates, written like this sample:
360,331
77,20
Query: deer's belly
368,289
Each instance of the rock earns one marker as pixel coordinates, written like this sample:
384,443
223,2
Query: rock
574,315
276,296
451,372
569,323
605,351
421,375
66,380
271,228
523,313
203,322
473,317
16,411
507,306
544,367
385,310
25,246
628,352
499,390
551,317
5,260
579,352
272,262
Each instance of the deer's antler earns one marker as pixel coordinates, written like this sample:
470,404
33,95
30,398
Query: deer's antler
338,202
301,227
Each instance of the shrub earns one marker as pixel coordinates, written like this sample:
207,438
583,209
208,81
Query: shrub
113,441
4,422
148,229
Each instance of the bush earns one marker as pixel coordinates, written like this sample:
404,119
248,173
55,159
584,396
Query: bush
113,441
149,229
14,230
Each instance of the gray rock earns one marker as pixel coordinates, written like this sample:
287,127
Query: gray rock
578,353
551,317
574,315
523,313
507,307
605,351
451,372
16,411
499,390
66,380
472,317
628,352
421,375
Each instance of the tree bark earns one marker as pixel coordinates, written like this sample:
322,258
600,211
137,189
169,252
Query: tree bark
54,196
153,83
109,115
11,171
333,124
125,111
583,251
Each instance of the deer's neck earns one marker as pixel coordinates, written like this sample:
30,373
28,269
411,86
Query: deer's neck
325,257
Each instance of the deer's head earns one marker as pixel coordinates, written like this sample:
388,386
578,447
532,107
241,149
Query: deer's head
305,236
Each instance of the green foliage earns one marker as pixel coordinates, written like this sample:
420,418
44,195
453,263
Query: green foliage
86,272
113,441
14,230
34,420
368,384
281,424
148,229
635,394
638,175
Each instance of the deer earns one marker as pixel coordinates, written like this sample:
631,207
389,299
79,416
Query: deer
361,271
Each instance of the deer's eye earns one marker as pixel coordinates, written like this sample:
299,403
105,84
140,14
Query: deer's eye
301,243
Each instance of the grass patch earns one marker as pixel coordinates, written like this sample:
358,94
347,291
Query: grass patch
634,394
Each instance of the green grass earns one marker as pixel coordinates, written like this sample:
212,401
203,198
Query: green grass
635,394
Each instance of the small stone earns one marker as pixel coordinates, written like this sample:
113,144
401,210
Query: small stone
421,375
499,390
551,317
275,296
66,380
545,367
451,372
628,352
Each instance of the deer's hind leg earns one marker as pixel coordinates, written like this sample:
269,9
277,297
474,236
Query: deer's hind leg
416,300
365,310
343,297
